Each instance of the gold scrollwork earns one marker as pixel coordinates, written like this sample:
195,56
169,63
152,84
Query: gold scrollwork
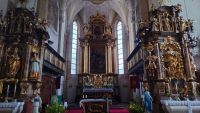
171,58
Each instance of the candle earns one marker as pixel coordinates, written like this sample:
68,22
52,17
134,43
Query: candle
15,90
8,87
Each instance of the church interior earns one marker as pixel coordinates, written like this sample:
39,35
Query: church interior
99,56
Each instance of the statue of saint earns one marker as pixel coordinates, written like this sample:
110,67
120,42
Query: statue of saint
86,30
35,66
108,30
152,64
166,22
182,24
147,101
13,63
155,25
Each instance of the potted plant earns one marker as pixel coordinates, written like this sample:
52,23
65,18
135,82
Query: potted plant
134,107
55,108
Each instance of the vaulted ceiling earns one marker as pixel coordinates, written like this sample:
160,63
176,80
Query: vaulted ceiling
110,8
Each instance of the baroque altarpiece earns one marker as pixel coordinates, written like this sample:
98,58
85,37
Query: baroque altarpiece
169,68
22,37
97,60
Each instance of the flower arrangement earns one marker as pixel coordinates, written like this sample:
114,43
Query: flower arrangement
134,107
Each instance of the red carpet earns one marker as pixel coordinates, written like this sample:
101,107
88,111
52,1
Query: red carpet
111,111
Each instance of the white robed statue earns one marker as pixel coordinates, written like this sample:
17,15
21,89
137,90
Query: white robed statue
35,66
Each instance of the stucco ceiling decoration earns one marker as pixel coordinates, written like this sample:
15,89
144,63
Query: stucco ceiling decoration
97,2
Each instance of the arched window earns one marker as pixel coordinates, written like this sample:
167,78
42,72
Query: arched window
120,48
74,48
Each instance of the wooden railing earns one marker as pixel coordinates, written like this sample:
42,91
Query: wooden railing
135,60
52,57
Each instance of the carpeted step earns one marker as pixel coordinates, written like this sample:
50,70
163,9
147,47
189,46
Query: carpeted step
116,110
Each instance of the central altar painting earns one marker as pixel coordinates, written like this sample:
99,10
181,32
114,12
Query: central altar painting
97,58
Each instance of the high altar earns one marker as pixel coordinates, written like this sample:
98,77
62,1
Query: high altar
97,78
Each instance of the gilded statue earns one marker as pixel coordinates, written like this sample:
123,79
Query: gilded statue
86,30
35,66
192,65
190,25
14,64
151,66
178,9
155,25
108,29
166,22
182,24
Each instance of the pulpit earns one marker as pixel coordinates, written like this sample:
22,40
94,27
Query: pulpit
97,60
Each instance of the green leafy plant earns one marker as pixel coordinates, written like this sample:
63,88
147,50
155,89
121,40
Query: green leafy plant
134,107
168,94
55,108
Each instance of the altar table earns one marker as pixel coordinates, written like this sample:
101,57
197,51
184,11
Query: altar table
95,105
187,106
11,107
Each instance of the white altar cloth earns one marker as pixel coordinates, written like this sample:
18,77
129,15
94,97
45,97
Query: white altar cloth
85,90
186,106
11,107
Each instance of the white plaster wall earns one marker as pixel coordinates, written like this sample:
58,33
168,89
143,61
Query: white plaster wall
31,4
